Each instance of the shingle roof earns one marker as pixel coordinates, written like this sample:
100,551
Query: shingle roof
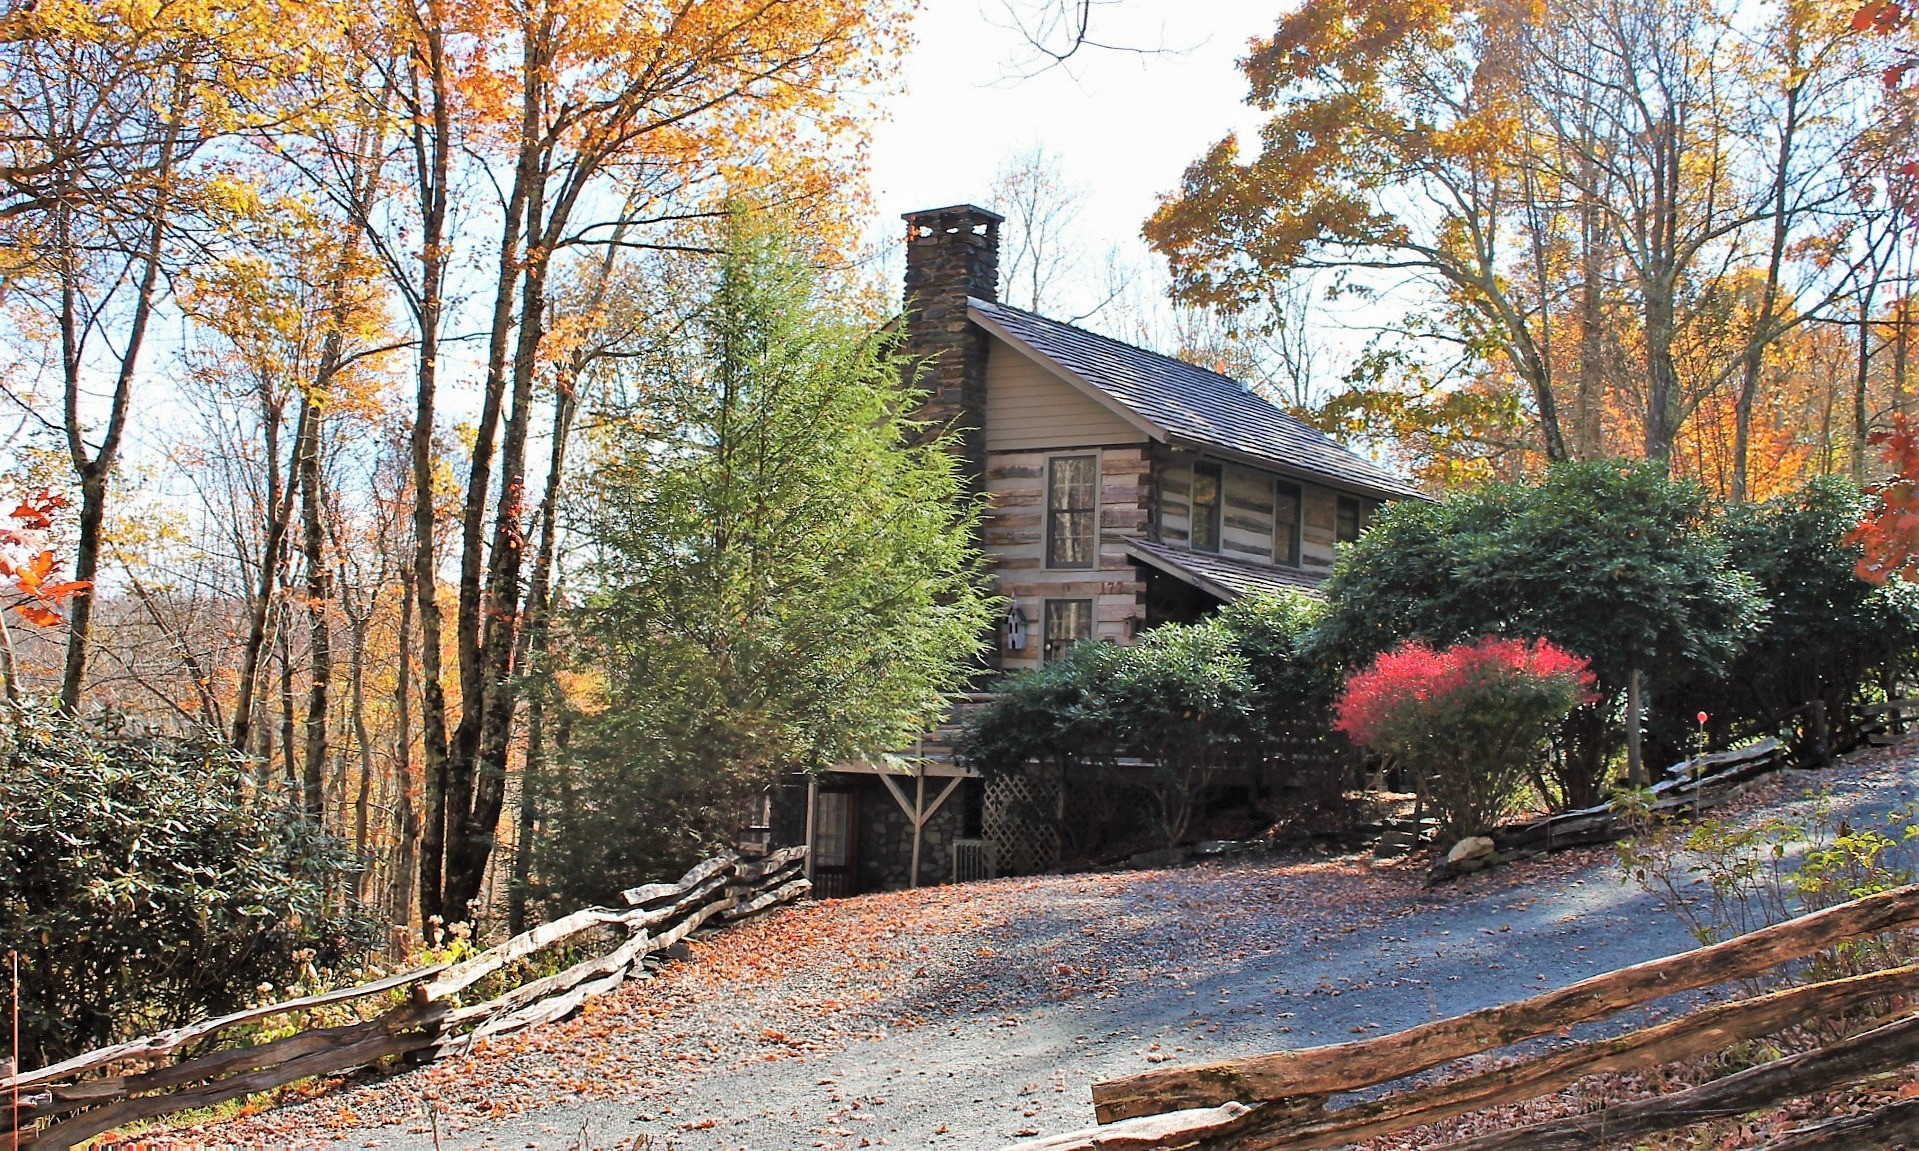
1226,579
1189,403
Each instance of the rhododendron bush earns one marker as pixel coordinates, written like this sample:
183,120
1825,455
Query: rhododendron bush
1467,721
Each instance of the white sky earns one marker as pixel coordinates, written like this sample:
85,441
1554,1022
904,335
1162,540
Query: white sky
1125,124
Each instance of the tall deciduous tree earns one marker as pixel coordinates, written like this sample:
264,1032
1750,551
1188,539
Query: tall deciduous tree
1610,211
570,101
110,121
1392,150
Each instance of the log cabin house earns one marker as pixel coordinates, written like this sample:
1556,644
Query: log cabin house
1125,489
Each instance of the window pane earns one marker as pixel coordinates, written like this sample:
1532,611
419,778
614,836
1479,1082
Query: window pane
1206,507
1286,501
1072,511
1347,529
1067,622
831,823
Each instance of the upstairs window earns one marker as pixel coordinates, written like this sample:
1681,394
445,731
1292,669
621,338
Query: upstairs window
1286,508
1072,511
1346,527
1206,484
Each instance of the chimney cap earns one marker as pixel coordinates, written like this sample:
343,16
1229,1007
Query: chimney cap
972,212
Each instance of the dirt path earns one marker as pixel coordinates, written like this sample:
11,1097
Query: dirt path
967,1017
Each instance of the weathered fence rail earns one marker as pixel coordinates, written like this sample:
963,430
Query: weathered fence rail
74,1100
1278,1100
1691,786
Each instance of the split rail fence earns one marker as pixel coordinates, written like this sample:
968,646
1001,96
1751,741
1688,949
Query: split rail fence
79,1098
1689,787
1278,1101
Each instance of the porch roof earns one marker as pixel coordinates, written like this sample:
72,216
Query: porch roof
1222,578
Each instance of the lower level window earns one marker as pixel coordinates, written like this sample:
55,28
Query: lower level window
1067,622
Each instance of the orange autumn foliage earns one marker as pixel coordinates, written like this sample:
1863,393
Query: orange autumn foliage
1890,535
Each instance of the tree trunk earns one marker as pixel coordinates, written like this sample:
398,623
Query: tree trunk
1589,433
96,471
1635,728
319,593
406,817
297,798
539,632
363,744
1754,359
1862,373
279,509
433,151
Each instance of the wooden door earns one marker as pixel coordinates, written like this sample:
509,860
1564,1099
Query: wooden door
835,845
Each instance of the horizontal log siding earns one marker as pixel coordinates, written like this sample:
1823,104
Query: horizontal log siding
1015,538
1028,407
1247,519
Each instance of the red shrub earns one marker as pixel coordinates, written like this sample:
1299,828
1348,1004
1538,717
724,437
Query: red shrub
1466,720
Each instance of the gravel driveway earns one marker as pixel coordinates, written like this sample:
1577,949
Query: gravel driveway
971,1016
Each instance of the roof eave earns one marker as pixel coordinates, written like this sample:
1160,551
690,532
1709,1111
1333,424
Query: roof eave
1297,471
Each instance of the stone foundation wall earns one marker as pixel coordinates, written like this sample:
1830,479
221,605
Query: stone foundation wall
886,836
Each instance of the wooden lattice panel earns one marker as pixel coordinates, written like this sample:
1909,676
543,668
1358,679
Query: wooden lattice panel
1019,824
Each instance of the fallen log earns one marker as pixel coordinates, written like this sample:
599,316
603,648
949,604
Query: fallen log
1170,1132
1302,1129
1588,826
1710,764
1885,1048
546,1011
620,958
782,894
62,1099
1321,1071
759,869
463,975
694,897
425,1024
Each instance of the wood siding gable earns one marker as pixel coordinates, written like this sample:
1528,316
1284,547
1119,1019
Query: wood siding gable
1031,406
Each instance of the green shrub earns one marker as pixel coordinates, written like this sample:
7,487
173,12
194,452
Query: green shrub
1056,720
1301,769
145,884
1829,635
1610,559
1244,689
1181,700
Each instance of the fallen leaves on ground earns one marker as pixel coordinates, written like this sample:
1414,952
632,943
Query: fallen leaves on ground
812,979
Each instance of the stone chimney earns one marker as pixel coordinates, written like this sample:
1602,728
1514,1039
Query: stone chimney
951,253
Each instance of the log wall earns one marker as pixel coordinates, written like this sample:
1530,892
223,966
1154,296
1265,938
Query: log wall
1247,517
1015,543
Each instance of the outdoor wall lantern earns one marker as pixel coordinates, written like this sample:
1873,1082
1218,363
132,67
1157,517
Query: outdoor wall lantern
1015,628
